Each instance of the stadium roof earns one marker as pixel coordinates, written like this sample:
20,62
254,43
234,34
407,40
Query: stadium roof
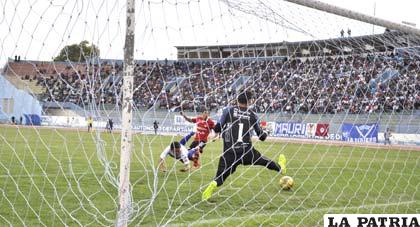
387,41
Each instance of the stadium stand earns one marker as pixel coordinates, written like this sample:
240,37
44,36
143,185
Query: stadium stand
353,84
368,79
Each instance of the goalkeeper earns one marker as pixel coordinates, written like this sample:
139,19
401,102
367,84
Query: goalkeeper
236,124
178,151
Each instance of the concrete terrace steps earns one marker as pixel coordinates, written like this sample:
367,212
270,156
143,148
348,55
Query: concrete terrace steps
29,86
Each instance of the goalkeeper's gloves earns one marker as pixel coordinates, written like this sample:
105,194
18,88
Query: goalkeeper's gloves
263,136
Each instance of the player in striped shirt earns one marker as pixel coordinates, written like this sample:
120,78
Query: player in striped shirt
178,151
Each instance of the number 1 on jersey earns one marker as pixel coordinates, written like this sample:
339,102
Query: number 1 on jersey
241,128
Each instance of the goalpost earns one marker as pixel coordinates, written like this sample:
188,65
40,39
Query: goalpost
323,96
356,16
124,190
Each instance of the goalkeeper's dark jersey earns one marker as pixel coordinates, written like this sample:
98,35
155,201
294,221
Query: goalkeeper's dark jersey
236,125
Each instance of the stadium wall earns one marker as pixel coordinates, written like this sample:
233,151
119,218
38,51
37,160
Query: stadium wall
404,126
15,102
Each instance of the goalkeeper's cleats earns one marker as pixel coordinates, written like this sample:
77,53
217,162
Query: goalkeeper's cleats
209,191
282,163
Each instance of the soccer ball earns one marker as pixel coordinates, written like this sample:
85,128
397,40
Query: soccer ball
286,183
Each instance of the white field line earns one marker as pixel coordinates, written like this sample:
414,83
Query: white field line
344,143
67,174
327,209
140,171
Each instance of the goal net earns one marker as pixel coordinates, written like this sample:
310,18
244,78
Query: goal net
338,97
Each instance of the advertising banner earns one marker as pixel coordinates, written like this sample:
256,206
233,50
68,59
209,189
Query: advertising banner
322,130
179,120
360,132
301,130
290,129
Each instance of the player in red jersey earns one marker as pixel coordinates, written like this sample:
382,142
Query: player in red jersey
204,126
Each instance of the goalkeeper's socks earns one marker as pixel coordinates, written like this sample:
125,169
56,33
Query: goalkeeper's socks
282,163
209,191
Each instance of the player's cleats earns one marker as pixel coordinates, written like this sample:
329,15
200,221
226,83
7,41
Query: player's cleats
209,191
282,163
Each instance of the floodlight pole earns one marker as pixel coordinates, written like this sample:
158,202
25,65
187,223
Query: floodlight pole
124,191
315,4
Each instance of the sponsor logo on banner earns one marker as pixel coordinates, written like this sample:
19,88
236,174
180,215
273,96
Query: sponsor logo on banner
322,130
332,136
66,121
287,129
370,220
263,124
310,130
271,127
179,120
303,130
360,132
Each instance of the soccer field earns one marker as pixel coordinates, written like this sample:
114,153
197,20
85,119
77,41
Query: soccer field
54,177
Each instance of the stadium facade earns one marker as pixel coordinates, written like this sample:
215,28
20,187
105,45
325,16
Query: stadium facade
388,41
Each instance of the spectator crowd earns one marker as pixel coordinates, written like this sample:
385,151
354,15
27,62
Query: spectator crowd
353,84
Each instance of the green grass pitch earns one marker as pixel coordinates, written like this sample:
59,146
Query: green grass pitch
54,177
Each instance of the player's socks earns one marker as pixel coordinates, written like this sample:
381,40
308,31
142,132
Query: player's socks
196,163
209,191
201,145
196,160
184,140
282,163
